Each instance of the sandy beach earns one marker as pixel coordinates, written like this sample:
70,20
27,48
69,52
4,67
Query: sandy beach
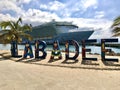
32,74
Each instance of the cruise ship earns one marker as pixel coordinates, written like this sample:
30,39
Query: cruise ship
61,31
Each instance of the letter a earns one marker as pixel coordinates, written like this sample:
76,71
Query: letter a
28,50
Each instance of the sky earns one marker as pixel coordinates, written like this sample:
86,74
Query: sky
96,14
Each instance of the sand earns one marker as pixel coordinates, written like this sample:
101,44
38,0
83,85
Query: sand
31,74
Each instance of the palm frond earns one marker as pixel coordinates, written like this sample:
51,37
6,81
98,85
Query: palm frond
19,20
116,29
6,37
17,24
14,31
7,24
116,34
4,31
116,22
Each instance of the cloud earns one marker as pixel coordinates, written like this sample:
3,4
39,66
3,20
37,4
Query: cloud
23,1
99,14
69,8
87,22
37,17
43,6
52,6
61,9
6,5
6,17
89,3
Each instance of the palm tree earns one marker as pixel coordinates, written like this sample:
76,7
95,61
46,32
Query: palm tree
13,32
116,27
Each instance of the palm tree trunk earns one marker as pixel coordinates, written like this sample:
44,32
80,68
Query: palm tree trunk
14,49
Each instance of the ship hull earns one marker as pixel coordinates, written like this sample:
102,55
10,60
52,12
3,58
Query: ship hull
78,36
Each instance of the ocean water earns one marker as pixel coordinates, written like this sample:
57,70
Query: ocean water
94,49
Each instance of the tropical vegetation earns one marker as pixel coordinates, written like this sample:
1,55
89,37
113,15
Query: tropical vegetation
14,31
116,27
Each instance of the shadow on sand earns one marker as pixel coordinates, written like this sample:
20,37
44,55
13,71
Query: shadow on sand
33,61
70,61
6,56
3,56
27,60
110,63
89,62
53,60
76,67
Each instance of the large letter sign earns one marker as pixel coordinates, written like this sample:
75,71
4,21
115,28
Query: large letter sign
84,50
75,43
28,50
14,49
42,49
56,50
103,50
